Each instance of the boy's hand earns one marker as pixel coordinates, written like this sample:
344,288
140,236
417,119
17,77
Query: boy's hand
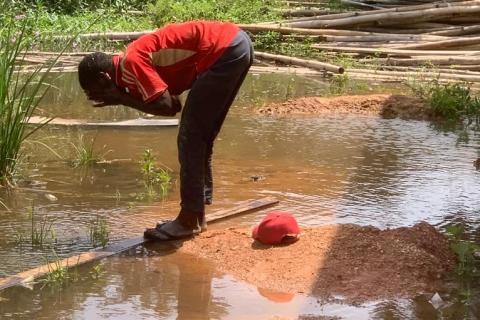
176,104
108,97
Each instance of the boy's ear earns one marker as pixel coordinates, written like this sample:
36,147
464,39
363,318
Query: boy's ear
105,80
105,76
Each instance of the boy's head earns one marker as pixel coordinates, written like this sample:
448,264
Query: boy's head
93,72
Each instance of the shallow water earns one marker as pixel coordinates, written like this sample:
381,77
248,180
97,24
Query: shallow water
332,169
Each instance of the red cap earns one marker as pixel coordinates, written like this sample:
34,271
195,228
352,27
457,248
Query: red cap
274,227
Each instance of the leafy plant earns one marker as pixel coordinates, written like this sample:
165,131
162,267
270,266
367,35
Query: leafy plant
464,250
98,232
451,101
468,266
239,11
85,154
72,6
154,178
97,271
58,274
275,42
338,84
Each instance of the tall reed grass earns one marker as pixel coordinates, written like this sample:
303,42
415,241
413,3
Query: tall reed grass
20,90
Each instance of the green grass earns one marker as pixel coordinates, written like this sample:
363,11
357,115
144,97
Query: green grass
58,274
20,94
275,42
156,181
85,154
41,232
60,23
97,271
338,84
468,266
98,232
454,102
238,11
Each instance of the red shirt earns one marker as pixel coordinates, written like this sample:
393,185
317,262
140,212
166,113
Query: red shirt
171,57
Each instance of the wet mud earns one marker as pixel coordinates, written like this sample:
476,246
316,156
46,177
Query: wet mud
358,263
383,105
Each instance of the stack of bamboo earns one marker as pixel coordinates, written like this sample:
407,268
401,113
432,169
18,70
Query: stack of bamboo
432,39
397,42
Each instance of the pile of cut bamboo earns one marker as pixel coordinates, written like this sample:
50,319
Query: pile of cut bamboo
395,40
389,40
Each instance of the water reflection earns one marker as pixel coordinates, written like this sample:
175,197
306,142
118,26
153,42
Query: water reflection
158,283
386,173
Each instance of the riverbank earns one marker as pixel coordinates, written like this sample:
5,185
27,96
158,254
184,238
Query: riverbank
356,262
384,105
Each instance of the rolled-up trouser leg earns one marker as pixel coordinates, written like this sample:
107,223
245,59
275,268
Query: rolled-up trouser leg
203,115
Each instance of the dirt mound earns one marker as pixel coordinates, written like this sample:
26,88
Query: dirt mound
359,263
384,105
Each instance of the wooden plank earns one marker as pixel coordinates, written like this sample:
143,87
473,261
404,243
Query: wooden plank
124,245
243,208
118,124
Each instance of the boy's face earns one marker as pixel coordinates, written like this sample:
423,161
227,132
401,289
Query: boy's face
101,87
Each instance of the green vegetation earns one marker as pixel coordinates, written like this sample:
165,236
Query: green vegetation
72,6
156,181
336,5
465,250
338,84
58,274
275,42
41,232
98,232
85,154
468,265
453,102
20,93
239,11
97,271
88,21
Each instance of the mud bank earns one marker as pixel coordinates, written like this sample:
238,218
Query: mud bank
359,263
383,105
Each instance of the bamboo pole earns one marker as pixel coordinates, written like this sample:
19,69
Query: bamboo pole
253,28
396,30
457,31
304,12
317,65
398,9
433,60
459,77
359,4
397,52
386,37
445,43
417,69
388,18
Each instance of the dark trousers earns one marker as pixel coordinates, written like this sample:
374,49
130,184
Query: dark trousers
206,107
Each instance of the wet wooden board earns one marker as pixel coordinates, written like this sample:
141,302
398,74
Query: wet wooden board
124,245
141,123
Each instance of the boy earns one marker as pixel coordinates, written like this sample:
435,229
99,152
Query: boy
209,58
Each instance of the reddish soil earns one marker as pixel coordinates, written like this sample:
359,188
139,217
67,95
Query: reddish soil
359,263
384,105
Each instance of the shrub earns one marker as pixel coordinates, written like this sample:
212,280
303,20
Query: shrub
239,11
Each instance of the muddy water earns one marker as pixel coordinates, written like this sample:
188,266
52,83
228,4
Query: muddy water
369,171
